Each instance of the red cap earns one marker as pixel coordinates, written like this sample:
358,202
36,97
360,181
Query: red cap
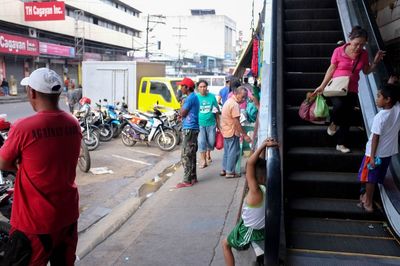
187,82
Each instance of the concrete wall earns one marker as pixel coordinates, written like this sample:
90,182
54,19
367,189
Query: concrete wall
388,18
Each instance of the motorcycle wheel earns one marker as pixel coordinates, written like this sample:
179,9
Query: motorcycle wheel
106,132
4,230
84,158
91,141
168,142
126,138
116,130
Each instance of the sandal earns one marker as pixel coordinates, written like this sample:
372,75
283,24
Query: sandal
204,165
368,209
222,173
231,175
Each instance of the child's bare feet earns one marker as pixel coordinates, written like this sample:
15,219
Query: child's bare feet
368,208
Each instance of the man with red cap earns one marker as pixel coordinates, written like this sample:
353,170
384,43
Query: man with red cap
190,113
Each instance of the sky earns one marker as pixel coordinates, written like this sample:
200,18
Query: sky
238,10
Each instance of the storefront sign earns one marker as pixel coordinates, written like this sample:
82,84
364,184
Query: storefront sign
11,44
39,11
91,57
56,49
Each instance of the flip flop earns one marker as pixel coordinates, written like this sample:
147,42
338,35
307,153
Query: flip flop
231,175
368,209
202,166
222,173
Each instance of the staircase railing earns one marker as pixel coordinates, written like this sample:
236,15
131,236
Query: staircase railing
269,127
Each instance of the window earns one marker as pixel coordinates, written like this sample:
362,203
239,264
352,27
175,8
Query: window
218,82
160,89
144,86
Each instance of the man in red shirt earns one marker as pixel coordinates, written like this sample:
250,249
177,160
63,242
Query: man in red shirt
44,150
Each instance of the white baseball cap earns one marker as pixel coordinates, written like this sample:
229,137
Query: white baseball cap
44,80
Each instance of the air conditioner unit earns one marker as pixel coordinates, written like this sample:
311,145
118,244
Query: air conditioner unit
32,33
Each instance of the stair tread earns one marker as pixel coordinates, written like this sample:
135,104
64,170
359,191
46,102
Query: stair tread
298,257
378,246
326,206
339,227
316,128
316,176
323,151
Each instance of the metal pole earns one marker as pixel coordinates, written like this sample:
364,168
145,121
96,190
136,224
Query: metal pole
147,36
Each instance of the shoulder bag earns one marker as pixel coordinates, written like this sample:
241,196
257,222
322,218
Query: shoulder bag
339,86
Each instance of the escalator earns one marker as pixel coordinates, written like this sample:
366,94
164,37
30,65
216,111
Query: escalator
323,225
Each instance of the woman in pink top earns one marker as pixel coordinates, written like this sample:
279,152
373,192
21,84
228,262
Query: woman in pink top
342,63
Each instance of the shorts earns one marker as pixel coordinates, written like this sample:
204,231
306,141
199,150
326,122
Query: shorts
59,247
207,138
241,236
376,175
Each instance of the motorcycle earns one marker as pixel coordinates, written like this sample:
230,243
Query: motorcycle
154,130
100,121
90,133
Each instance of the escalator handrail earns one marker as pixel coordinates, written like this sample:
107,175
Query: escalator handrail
268,128
369,84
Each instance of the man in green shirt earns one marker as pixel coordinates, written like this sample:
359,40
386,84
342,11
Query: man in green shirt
208,120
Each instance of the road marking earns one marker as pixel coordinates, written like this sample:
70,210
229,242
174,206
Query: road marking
129,159
148,153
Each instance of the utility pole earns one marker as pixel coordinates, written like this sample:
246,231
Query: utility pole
179,35
148,29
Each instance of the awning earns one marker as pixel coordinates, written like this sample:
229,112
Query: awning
244,60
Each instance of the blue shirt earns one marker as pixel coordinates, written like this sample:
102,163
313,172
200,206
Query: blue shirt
223,93
192,104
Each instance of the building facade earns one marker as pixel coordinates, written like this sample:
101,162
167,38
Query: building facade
200,43
91,30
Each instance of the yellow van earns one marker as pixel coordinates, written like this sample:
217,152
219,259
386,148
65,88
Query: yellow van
161,90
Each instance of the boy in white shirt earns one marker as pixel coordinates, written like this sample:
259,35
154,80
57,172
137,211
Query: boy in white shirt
382,143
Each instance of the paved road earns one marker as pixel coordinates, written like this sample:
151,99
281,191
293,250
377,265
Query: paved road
18,110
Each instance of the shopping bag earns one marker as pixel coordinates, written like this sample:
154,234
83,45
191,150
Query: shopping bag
219,140
307,108
321,108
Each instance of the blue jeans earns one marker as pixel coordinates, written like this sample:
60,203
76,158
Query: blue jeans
207,138
231,154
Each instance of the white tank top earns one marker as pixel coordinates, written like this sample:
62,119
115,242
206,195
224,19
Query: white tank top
254,216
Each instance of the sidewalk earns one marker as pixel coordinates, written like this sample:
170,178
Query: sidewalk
21,97
178,226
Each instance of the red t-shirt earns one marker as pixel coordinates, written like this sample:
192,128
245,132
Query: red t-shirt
47,146
344,66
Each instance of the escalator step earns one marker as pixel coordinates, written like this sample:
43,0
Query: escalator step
318,13
318,258
293,118
330,37
316,136
309,50
323,184
331,208
312,4
338,227
304,79
361,245
307,64
312,25
323,159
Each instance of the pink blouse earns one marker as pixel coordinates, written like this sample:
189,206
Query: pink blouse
344,65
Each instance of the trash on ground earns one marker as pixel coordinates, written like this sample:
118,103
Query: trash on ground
101,170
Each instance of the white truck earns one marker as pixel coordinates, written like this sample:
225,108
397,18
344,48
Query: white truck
117,80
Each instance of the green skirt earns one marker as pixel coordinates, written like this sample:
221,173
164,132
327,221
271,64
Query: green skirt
241,236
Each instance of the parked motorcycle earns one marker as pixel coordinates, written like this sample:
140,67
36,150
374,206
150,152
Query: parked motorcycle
154,130
90,133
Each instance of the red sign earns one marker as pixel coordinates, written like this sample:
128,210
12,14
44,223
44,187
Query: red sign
39,11
56,49
11,44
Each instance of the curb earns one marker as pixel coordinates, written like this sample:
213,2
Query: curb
97,233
